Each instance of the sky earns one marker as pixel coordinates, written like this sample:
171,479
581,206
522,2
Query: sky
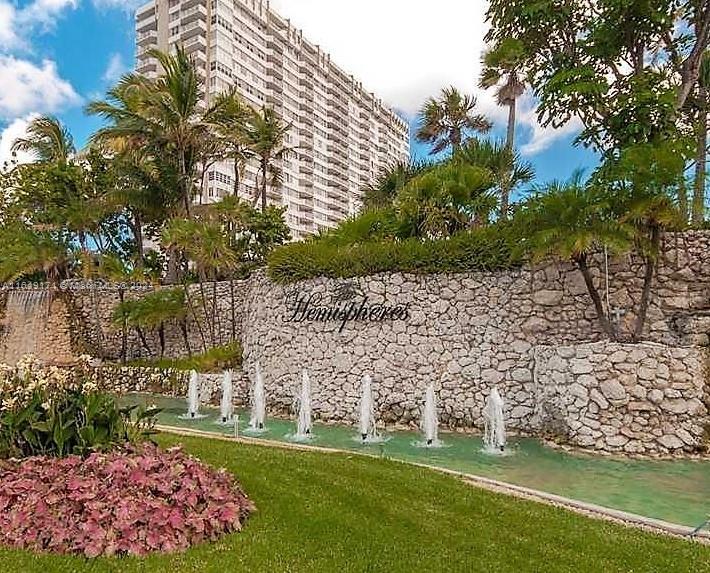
57,55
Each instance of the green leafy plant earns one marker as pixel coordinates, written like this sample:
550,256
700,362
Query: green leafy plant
487,248
215,359
55,412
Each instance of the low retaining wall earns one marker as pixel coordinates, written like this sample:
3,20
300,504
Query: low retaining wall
641,398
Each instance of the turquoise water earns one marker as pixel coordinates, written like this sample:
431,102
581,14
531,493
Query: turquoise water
677,491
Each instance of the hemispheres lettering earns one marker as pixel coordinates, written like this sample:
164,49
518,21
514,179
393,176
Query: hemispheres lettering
314,307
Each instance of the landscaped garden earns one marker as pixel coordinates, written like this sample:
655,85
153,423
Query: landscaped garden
464,294
325,512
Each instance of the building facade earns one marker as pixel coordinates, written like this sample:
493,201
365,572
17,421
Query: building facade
342,134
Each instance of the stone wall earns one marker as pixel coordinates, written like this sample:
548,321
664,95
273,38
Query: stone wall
35,322
469,332
167,382
207,325
642,398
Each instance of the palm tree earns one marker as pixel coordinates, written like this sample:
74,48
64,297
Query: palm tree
47,139
144,188
502,69
212,254
703,104
231,122
163,114
444,122
650,212
26,251
114,269
444,200
509,170
570,221
382,192
176,238
265,138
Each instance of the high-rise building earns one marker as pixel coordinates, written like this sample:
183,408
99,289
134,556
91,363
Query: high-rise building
343,135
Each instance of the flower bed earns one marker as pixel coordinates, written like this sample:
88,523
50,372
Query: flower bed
122,503
45,410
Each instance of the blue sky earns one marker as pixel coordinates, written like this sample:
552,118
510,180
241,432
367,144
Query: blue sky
56,55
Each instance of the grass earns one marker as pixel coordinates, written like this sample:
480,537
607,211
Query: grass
340,513
215,359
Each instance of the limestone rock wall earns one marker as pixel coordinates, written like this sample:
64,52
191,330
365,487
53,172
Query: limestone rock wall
641,398
207,324
469,332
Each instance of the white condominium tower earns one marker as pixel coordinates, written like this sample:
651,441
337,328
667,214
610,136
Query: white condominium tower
343,134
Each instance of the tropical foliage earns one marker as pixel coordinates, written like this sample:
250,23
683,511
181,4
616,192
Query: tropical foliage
632,72
50,411
133,502
489,248
447,121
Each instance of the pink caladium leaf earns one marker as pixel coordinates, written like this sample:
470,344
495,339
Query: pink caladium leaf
129,502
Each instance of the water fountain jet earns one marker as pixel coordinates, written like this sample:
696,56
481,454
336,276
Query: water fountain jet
430,420
303,403
193,398
258,405
226,408
367,423
494,439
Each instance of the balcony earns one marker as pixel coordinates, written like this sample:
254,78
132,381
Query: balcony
196,13
198,27
150,23
275,98
147,38
150,66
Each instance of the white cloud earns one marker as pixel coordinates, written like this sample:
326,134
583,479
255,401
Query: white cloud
7,26
44,12
406,51
125,5
27,88
16,129
115,69
17,24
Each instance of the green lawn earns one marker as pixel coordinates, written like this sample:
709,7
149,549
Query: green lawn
340,513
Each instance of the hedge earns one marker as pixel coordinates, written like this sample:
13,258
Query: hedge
486,249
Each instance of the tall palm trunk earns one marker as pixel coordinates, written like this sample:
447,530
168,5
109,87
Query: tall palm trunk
185,182
509,145
698,209
237,177
264,171
191,305
138,233
203,296
650,264
185,336
124,329
171,276
141,336
606,325
232,304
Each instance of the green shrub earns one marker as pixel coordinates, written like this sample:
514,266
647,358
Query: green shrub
57,412
485,249
215,359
